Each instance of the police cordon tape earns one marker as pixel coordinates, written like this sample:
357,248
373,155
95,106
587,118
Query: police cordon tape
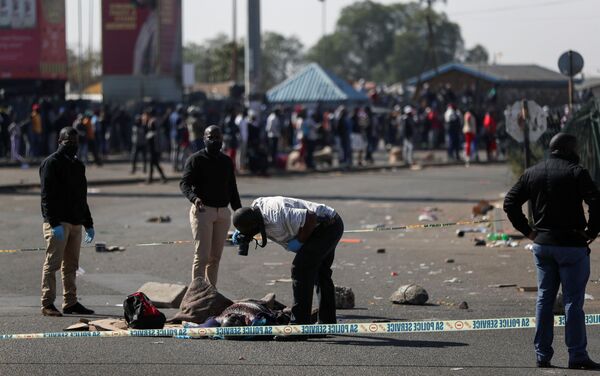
395,327
374,229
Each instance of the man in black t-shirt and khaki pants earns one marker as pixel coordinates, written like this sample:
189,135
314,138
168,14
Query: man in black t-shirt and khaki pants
209,183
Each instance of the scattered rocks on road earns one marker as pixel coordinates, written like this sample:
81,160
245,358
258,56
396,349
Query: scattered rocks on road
344,297
410,294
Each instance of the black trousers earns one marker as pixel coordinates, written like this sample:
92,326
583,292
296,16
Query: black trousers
312,267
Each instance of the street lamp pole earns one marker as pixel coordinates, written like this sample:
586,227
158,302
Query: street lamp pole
323,29
234,62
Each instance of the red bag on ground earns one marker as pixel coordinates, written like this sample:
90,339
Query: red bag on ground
140,313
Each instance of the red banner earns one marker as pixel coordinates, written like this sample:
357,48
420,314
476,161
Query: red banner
32,39
141,37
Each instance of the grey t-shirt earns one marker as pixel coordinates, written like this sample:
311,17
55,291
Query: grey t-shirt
283,216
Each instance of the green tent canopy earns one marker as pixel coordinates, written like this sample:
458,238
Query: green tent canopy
314,84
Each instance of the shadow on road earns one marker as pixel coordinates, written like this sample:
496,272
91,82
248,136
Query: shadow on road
350,340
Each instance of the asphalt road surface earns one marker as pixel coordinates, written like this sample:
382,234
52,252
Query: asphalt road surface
362,199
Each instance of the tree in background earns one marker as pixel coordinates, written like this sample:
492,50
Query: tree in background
281,56
477,55
213,58
386,42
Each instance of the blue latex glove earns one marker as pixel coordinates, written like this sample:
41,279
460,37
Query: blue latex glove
58,232
89,235
235,237
294,245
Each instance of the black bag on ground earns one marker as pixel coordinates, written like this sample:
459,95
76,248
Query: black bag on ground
140,313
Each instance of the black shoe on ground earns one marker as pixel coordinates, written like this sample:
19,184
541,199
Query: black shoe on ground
50,310
77,308
584,364
296,338
543,364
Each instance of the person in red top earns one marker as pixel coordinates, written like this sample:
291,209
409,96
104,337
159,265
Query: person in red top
489,124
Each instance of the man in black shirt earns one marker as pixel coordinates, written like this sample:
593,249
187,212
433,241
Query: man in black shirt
65,210
209,183
556,189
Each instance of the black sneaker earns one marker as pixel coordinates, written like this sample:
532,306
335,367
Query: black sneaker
584,364
77,308
543,364
50,310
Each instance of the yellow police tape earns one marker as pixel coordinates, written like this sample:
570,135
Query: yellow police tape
395,327
375,229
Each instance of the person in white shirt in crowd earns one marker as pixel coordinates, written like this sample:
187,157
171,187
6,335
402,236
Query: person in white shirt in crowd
241,120
408,127
273,129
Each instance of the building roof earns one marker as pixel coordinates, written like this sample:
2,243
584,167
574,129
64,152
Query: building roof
498,73
314,84
589,83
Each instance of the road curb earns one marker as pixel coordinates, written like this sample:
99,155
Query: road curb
124,181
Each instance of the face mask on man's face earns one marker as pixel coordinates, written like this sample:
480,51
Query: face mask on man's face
70,149
213,146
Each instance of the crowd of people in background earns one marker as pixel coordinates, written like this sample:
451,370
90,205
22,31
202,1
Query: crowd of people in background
274,138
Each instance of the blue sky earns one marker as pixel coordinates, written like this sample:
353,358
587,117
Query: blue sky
513,31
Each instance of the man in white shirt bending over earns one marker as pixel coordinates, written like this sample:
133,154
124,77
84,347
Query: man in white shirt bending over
311,231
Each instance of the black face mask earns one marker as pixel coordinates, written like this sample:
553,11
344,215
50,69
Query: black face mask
573,157
70,150
213,147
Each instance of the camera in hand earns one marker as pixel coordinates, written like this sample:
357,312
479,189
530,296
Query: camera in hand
244,243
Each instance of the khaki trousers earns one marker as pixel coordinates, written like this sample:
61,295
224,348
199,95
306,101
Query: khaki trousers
63,254
209,228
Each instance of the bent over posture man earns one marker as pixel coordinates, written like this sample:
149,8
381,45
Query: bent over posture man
311,231
209,183
556,189
65,209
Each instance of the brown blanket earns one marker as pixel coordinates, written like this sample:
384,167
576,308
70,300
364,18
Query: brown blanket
200,302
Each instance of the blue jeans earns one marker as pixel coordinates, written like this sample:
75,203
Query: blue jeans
569,266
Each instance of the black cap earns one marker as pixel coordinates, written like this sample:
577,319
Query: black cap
249,221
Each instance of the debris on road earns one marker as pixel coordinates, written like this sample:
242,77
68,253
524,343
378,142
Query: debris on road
410,294
504,243
344,297
479,242
503,285
350,241
449,261
463,305
381,250
453,280
528,288
101,247
462,231
481,208
160,219
428,215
